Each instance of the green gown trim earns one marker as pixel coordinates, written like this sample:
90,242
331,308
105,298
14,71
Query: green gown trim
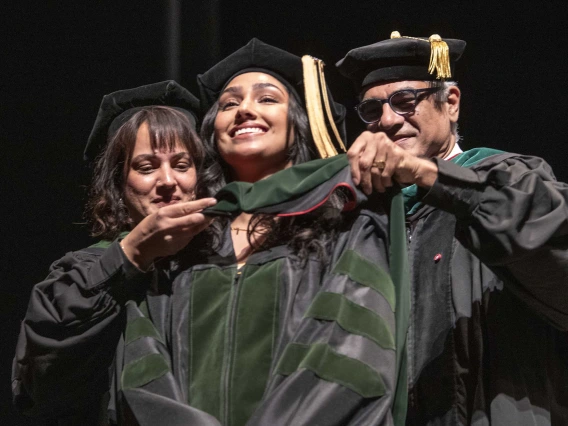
465,159
352,317
366,273
333,367
141,327
143,371
211,292
232,329
280,187
400,275
146,368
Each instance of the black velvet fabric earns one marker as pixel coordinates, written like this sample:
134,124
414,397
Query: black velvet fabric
117,107
394,59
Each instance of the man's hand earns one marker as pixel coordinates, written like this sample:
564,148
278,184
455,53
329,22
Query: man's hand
166,232
399,165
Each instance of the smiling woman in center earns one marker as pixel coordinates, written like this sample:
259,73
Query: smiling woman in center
251,126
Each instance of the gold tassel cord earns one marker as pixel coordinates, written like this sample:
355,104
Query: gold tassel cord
314,109
323,88
439,54
312,102
439,57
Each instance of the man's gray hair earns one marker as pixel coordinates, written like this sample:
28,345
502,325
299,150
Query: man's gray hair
441,97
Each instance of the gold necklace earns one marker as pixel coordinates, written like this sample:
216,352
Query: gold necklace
237,229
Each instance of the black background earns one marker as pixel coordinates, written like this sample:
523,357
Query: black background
59,59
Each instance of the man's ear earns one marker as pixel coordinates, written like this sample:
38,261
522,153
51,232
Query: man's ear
453,103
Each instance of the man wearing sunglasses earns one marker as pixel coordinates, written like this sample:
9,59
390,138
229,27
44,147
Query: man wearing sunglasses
487,340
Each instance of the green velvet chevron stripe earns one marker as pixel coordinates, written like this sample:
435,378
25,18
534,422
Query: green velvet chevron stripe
143,371
141,327
351,317
143,307
149,367
333,367
366,273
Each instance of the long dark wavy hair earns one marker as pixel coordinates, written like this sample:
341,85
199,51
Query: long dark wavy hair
305,234
105,211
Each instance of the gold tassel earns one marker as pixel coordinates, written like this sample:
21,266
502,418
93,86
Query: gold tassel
323,88
439,54
439,57
314,108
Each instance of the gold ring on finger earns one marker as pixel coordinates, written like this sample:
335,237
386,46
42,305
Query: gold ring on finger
379,165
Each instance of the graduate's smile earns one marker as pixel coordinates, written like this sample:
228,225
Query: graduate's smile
247,129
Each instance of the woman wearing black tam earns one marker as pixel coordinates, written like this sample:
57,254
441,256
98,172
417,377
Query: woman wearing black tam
282,321
147,156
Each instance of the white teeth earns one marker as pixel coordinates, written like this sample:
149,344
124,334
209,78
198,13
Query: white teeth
248,130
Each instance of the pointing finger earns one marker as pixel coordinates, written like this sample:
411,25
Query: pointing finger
187,208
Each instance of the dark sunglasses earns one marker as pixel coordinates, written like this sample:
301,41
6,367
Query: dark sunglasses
402,102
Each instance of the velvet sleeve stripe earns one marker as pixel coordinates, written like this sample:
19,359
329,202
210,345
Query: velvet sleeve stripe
143,371
333,367
352,317
366,273
141,327
141,367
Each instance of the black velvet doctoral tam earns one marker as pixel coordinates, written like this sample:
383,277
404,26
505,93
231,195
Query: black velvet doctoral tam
394,59
117,107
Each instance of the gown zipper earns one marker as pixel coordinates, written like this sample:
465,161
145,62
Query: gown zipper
229,346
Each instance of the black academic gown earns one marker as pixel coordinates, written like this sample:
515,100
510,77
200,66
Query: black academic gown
487,342
68,338
276,342
197,341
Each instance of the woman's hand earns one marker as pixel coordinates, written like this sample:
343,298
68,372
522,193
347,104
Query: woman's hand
166,232
376,161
